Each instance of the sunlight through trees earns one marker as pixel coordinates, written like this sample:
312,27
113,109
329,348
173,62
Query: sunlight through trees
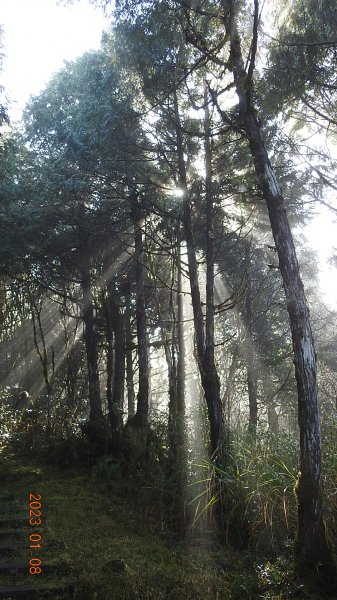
154,284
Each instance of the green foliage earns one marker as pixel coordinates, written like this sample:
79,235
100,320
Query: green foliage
302,59
276,578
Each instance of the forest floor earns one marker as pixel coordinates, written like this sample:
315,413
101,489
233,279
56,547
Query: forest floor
112,543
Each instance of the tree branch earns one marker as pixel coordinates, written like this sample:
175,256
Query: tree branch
253,47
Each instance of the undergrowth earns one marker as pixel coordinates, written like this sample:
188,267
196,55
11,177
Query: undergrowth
111,548
262,473
117,518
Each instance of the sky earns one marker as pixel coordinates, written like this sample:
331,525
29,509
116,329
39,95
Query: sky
40,34
322,235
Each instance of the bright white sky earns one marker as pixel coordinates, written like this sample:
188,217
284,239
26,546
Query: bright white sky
322,235
38,37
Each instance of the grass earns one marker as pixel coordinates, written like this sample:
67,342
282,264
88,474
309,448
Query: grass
107,546
113,542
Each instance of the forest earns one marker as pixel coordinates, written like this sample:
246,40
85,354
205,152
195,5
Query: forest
168,375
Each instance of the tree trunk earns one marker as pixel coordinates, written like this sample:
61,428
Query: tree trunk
171,362
181,344
91,348
208,373
313,555
273,422
43,357
109,352
89,332
229,386
129,356
176,371
142,413
117,324
249,344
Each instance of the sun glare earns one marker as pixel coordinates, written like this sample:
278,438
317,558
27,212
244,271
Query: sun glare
177,192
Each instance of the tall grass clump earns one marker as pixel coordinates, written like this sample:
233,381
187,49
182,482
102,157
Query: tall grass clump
258,487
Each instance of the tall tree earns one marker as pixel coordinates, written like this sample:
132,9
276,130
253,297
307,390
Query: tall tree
312,549
162,67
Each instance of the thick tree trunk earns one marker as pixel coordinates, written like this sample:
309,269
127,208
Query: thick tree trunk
312,549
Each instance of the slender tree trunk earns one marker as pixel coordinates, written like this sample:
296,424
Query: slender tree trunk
249,344
110,350
142,413
91,348
117,323
273,423
210,376
71,374
70,360
27,379
43,356
180,447
207,369
181,343
89,321
170,355
176,369
313,555
229,386
129,356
